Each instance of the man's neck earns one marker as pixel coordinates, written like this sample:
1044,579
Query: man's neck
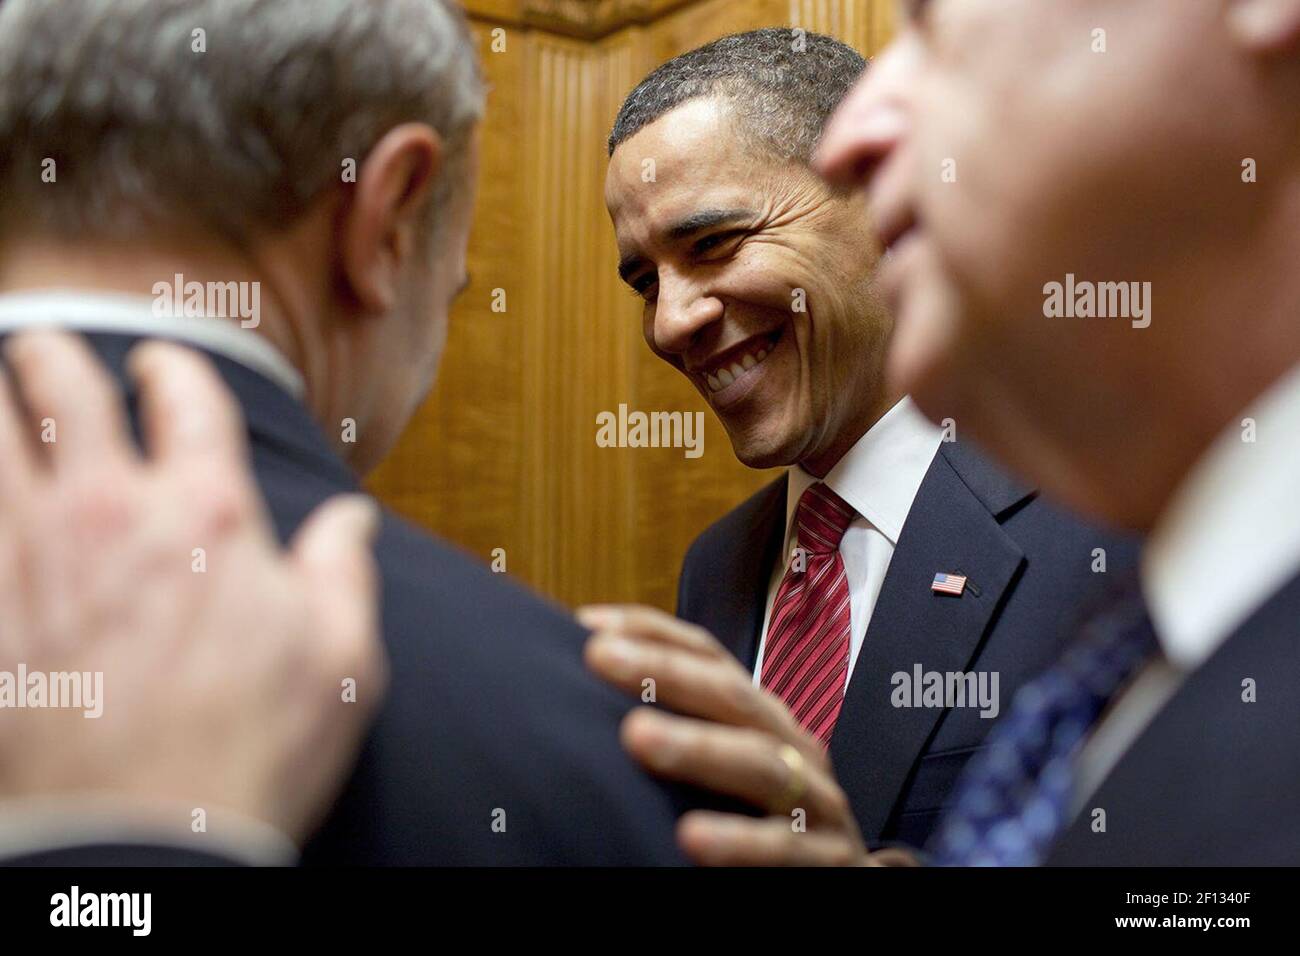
822,461
133,270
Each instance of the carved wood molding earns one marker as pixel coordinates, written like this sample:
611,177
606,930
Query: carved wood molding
583,19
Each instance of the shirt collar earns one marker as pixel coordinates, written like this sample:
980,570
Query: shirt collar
881,474
1230,536
133,315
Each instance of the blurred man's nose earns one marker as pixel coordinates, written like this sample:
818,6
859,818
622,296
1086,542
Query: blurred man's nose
870,123
682,311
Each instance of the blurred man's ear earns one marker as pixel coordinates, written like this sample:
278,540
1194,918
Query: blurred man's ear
382,227
1265,25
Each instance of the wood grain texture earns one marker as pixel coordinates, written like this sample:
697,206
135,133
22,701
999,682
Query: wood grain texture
504,453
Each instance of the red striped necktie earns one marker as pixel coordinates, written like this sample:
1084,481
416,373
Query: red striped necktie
806,656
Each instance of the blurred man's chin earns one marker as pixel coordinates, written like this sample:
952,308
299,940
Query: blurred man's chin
914,367
921,361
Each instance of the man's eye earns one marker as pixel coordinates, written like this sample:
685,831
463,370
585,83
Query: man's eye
710,243
643,286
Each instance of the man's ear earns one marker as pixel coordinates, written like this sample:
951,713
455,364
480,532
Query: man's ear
1269,26
380,228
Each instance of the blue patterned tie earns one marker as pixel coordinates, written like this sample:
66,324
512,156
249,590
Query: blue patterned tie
1014,797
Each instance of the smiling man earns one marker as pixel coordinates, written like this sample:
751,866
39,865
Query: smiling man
885,550
489,748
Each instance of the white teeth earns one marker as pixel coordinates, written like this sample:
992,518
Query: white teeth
725,376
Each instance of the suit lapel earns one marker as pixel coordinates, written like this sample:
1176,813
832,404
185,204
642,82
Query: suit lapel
951,528
741,608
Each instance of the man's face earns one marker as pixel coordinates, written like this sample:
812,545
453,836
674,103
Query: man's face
757,284
1006,144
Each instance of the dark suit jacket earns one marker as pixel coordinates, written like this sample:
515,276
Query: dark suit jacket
1029,568
1213,780
490,710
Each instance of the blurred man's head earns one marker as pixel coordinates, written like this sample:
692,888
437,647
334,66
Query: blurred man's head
1010,144
324,148
756,277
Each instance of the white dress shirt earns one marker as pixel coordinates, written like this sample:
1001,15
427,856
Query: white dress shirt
59,822
879,478
1228,540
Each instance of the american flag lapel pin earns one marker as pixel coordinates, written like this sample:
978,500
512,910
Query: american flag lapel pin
948,584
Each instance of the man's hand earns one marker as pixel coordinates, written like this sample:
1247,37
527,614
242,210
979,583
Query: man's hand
732,738
224,660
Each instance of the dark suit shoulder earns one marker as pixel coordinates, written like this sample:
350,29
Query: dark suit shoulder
1069,560
739,522
495,745
726,568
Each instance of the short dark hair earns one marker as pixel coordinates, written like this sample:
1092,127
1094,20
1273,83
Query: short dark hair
782,84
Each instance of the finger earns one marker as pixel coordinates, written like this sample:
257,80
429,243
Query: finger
187,411
711,688
725,839
195,436
650,623
333,550
65,386
734,761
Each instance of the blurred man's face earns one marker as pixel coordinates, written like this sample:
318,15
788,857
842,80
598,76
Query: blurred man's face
757,283
1006,144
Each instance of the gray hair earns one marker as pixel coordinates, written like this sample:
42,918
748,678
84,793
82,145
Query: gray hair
148,132
782,85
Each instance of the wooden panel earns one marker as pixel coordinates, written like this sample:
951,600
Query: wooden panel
458,467
505,11
504,453
699,23
882,26
850,22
